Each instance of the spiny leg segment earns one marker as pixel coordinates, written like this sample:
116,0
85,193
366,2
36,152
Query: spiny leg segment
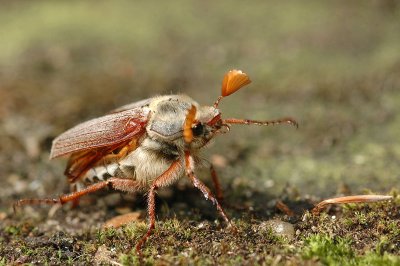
166,179
126,185
189,165
217,184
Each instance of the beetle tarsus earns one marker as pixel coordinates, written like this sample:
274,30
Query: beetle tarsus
23,202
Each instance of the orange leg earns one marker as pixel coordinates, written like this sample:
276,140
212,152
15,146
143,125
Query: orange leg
201,186
126,185
163,180
75,203
217,184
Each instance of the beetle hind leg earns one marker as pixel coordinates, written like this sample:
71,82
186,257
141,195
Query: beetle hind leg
163,180
23,202
126,185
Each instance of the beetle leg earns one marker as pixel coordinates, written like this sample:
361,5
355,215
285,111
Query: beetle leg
126,185
163,180
214,178
75,203
217,184
201,186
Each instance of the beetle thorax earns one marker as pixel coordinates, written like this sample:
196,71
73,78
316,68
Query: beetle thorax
167,117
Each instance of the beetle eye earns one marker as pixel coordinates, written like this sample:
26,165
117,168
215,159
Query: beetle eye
198,129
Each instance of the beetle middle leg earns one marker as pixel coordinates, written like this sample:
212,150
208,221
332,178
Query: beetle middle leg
163,180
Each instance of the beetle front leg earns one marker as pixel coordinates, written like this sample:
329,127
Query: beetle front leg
202,187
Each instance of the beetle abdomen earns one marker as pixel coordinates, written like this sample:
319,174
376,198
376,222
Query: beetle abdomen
150,160
104,172
145,163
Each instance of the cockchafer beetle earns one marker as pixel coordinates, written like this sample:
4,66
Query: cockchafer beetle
146,145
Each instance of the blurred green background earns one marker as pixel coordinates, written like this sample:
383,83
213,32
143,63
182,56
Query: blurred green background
332,65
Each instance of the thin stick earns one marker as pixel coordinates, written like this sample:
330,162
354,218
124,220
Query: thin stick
350,199
284,208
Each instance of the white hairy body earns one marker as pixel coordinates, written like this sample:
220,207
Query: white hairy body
157,148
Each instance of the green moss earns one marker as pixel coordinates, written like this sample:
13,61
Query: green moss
129,259
374,258
105,234
338,251
134,230
13,230
3,262
329,250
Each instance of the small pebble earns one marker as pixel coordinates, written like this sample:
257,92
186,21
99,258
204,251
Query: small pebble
280,228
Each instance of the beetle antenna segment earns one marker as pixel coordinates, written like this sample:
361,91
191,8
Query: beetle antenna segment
217,101
287,120
233,81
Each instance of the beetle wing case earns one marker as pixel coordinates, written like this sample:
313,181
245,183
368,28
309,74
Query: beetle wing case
138,104
104,131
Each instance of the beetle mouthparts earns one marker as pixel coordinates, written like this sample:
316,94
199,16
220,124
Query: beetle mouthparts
225,128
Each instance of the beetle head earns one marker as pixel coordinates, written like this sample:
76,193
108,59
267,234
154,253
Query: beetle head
180,120
203,124
208,120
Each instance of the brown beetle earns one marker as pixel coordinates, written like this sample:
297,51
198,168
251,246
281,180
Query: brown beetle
144,146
